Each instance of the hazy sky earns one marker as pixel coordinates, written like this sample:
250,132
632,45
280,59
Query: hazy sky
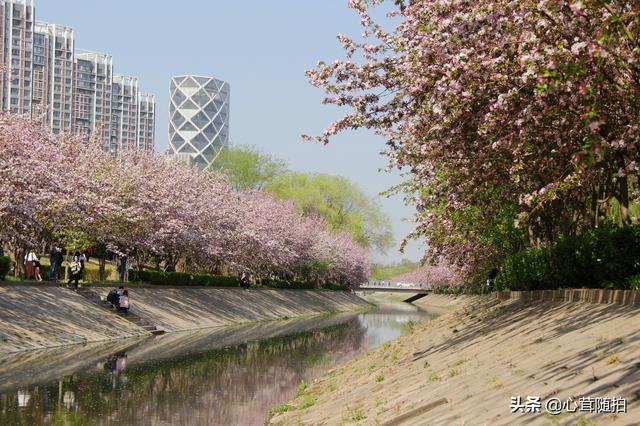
262,48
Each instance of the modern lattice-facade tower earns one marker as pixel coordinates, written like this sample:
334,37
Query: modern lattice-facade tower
198,118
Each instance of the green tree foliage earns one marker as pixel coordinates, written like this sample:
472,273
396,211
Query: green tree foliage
247,168
384,272
5,266
340,202
74,240
606,257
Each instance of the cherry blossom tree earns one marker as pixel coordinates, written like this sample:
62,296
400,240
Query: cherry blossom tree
42,190
140,205
433,277
516,121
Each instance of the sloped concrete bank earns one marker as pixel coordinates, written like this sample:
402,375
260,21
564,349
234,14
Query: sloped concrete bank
466,366
38,317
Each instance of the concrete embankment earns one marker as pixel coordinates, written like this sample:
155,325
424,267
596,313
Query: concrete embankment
464,367
36,317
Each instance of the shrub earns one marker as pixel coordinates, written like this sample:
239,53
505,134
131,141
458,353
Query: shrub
182,279
208,280
526,270
633,282
94,274
336,287
287,284
603,257
607,257
5,266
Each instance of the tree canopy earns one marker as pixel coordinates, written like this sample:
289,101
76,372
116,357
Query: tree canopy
55,187
516,120
338,201
334,199
384,272
248,168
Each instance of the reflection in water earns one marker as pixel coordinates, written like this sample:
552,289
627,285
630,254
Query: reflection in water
187,379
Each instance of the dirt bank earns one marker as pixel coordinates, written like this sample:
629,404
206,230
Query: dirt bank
464,367
38,317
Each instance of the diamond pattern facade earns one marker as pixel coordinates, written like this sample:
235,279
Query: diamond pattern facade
198,118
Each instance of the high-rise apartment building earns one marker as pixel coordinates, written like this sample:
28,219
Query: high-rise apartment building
198,118
41,74
124,113
53,75
92,96
16,50
41,53
146,121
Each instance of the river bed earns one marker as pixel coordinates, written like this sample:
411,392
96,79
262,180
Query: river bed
229,376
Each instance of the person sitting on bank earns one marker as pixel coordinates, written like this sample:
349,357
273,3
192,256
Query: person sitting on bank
123,300
113,297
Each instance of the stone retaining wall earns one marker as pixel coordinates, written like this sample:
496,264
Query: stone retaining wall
621,297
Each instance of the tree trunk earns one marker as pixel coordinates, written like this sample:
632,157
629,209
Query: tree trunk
102,262
530,236
623,191
19,255
594,207
181,265
623,199
66,268
170,264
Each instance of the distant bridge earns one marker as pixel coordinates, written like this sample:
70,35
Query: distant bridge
391,287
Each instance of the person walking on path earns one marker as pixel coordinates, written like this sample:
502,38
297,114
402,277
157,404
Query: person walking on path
75,267
32,259
122,267
55,261
82,259
36,268
59,261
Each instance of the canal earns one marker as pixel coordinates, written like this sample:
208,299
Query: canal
229,376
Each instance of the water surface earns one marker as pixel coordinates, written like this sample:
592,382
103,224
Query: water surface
229,376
